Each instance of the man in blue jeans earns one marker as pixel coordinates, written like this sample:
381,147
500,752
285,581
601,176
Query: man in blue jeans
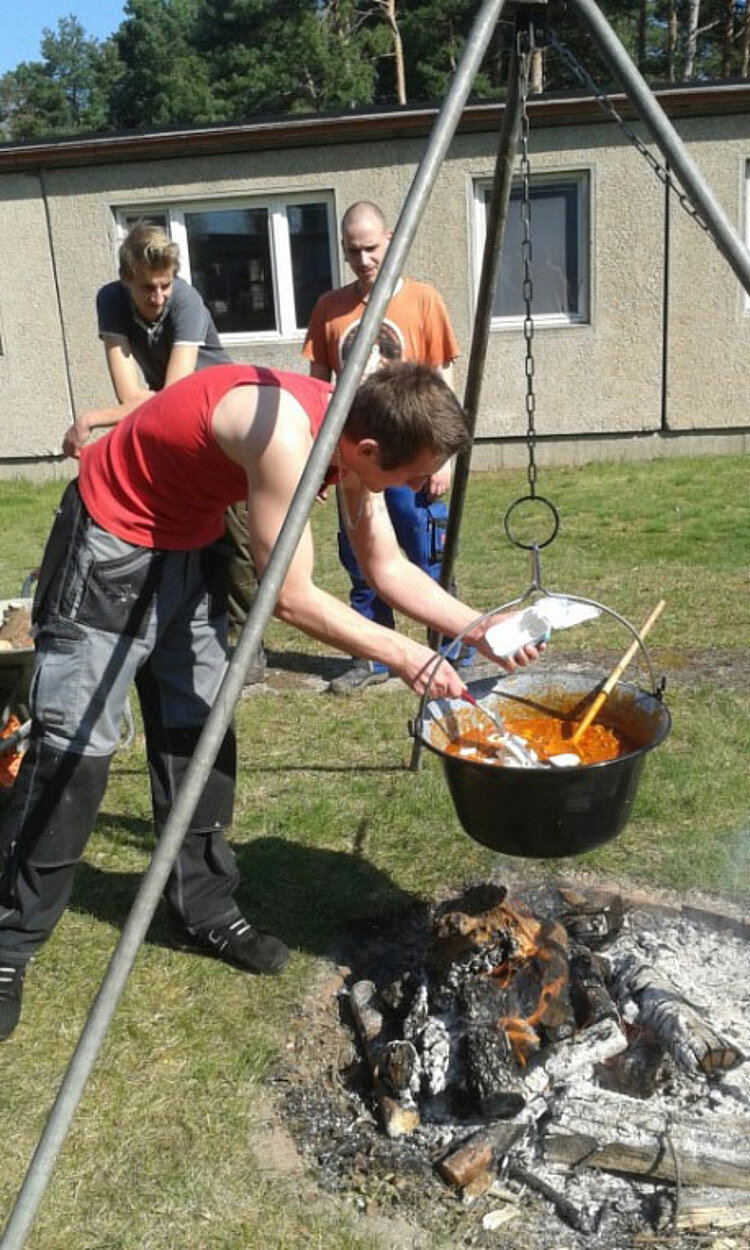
415,328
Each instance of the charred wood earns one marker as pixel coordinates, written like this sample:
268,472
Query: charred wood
573,1216
398,1120
399,1070
593,1046
479,1152
392,1067
481,1000
692,1042
593,919
699,1212
621,1135
490,1081
639,1070
470,1159
590,999
368,1016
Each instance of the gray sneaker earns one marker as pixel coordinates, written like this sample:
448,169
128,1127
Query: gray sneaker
358,677
256,669
256,672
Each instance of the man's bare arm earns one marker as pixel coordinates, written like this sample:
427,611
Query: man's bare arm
182,361
405,586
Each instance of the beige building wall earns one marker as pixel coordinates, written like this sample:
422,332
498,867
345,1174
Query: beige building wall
598,385
34,399
709,311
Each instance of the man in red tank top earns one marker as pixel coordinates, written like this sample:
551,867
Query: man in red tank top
132,588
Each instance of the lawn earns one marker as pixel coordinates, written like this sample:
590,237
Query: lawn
332,827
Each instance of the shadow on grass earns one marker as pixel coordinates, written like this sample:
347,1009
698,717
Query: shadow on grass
325,666
306,895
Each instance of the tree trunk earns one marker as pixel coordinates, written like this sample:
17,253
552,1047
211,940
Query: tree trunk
641,35
691,40
727,40
536,71
671,40
389,8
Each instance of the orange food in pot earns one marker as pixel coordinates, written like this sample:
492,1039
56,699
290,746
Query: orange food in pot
547,736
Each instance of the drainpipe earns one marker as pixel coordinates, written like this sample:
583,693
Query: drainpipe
665,309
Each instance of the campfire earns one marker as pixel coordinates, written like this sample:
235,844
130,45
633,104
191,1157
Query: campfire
530,1051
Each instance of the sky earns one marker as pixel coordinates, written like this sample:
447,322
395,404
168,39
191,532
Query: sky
25,21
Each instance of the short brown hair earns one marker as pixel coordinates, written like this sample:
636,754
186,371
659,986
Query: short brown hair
147,245
408,408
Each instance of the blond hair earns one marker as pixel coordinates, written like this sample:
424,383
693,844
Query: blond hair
149,245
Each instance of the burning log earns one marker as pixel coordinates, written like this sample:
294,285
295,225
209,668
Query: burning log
621,1135
693,1044
508,969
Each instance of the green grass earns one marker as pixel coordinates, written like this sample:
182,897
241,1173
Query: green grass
331,827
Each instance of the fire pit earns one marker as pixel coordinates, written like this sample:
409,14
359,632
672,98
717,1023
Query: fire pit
566,1063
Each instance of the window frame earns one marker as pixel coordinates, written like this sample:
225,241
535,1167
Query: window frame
581,179
745,293
279,238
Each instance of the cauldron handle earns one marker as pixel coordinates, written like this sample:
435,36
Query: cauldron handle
416,726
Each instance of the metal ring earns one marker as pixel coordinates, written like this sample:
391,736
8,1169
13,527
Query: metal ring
532,499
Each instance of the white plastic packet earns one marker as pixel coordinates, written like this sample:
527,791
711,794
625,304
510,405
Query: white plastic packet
535,624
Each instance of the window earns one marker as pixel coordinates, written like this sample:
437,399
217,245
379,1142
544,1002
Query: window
559,251
260,265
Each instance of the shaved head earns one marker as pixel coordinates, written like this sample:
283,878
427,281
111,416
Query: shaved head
360,210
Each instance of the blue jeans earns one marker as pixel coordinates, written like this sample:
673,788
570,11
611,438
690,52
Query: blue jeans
420,530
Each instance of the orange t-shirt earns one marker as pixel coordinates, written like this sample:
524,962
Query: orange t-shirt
415,328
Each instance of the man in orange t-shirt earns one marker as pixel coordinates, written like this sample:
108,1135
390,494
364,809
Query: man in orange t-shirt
415,328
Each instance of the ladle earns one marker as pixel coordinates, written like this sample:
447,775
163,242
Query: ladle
511,745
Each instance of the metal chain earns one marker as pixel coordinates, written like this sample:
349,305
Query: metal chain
661,171
524,59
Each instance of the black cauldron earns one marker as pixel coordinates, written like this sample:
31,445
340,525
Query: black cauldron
545,813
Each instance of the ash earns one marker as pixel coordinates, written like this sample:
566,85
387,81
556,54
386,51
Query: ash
394,1123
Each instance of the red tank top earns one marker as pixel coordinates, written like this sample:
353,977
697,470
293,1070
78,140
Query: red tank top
160,479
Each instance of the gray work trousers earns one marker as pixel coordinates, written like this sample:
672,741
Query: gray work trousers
107,614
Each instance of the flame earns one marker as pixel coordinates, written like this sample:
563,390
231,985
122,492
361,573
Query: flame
544,946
